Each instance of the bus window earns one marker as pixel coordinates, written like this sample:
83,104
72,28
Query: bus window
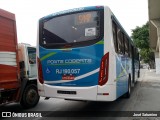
123,43
114,30
131,50
120,41
126,45
74,29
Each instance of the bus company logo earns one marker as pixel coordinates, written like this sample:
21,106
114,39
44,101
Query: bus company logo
69,61
6,114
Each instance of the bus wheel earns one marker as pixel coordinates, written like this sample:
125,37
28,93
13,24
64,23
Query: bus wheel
127,95
30,96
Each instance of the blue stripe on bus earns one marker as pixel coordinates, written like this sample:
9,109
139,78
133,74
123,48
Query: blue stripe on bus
52,72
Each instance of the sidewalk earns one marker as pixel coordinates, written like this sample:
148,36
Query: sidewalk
150,75
147,92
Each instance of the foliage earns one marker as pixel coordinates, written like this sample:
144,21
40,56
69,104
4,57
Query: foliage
145,55
140,36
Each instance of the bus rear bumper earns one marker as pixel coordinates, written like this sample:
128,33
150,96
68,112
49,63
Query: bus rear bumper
106,93
79,93
73,93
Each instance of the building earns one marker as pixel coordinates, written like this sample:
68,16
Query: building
154,25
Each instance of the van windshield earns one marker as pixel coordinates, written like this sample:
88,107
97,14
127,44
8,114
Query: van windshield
32,55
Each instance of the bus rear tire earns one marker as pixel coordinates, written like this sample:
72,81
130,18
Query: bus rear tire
128,94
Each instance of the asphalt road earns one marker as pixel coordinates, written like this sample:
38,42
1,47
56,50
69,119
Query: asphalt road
145,96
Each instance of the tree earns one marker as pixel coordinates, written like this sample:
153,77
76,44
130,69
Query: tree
140,36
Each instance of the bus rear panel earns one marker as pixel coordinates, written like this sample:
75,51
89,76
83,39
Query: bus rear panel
75,56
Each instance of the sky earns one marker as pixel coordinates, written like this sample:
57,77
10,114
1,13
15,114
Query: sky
130,13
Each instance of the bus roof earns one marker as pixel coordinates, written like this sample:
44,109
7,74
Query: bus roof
89,8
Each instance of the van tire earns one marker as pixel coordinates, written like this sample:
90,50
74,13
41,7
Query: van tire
30,96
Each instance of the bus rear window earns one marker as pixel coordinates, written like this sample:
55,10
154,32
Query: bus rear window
71,29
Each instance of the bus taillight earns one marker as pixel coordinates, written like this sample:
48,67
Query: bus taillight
40,73
104,69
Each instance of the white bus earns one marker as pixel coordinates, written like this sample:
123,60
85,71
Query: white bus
85,54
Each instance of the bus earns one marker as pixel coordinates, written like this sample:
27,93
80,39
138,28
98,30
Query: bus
85,54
